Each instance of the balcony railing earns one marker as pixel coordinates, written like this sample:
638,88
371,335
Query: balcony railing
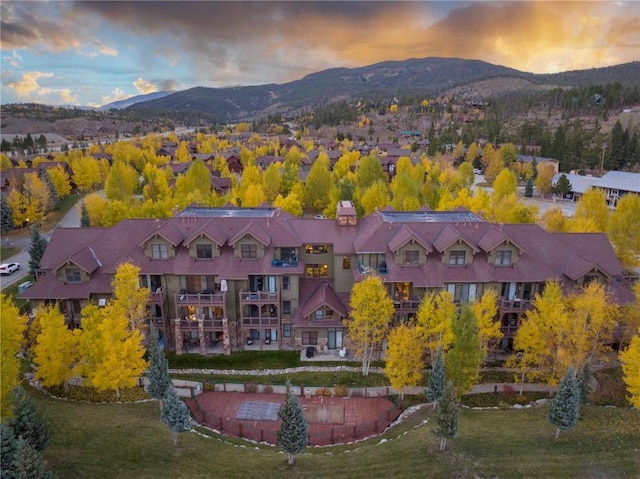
203,298
259,297
260,321
158,297
514,305
381,268
407,306
278,263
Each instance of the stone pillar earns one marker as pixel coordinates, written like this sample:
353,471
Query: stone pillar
178,336
226,341
201,336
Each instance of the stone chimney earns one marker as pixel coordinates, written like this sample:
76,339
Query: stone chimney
346,214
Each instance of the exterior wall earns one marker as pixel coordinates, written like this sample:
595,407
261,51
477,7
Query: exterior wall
515,253
343,278
61,275
458,246
323,258
215,250
411,246
171,252
248,239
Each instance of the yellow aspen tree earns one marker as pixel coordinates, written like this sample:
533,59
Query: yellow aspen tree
12,327
492,163
591,206
554,221
630,359
318,184
17,202
508,153
292,204
156,186
376,196
463,360
272,182
130,297
404,358
472,152
182,153
485,310
121,183
435,321
56,351
38,197
87,174
371,314
95,205
623,228
253,196
5,162
60,179
539,335
505,184
544,180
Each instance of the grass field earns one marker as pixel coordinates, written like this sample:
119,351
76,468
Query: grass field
128,441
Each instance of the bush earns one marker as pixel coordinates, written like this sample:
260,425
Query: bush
267,389
508,390
342,391
206,386
323,392
504,405
522,400
82,393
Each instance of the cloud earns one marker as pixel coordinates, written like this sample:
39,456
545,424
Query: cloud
144,86
14,60
28,84
116,95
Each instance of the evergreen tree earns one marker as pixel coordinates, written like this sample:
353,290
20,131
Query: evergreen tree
158,372
54,197
26,422
175,414
6,216
562,187
85,222
565,406
29,462
436,385
584,382
447,416
292,436
528,189
36,250
8,450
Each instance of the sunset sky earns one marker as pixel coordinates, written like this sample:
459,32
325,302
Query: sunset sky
93,53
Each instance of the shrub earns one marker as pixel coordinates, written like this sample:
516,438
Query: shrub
89,394
207,386
267,389
342,391
522,400
323,392
508,390
504,405
251,388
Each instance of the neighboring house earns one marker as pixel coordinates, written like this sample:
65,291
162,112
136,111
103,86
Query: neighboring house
614,185
227,279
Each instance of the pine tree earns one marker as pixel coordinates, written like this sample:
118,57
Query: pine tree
436,385
528,189
158,372
584,382
292,436
29,462
565,406
54,197
6,216
26,422
8,450
36,250
175,414
447,416
85,221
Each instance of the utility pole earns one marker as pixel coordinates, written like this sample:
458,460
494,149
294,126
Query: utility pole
604,148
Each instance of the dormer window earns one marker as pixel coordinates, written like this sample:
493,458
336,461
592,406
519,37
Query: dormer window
457,258
316,248
410,257
72,275
204,251
159,251
503,257
249,251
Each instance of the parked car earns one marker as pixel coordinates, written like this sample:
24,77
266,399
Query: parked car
477,171
9,268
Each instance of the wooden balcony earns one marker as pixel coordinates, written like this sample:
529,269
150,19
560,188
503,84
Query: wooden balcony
259,297
158,297
257,322
200,299
406,306
514,305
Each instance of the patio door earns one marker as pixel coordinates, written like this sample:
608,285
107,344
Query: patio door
334,338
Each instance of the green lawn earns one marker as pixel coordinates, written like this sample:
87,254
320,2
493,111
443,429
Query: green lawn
128,441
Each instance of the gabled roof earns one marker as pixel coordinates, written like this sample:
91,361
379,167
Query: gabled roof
85,259
619,180
403,236
577,266
495,237
252,228
210,230
323,295
168,232
448,236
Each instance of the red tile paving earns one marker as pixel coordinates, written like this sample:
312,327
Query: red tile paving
363,417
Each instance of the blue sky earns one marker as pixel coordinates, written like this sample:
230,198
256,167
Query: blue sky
93,53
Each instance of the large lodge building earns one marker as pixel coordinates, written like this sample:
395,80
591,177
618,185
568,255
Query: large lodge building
227,279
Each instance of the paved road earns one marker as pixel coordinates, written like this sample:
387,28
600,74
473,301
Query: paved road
71,220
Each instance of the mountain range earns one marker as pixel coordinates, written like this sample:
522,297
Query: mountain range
379,82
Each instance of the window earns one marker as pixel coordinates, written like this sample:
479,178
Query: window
286,283
318,315
316,248
288,254
503,257
286,330
286,307
346,262
204,251
249,251
310,337
410,257
316,270
468,292
72,275
456,258
159,251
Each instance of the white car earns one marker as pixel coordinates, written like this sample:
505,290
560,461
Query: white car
9,268
477,171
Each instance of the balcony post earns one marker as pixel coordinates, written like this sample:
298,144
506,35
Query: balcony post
178,336
201,336
226,341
